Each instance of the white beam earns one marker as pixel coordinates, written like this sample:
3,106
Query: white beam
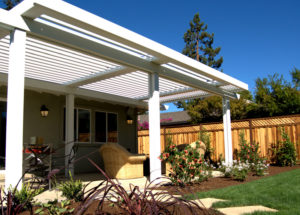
122,58
227,131
154,127
43,86
168,93
15,109
100,76
188,95
69,142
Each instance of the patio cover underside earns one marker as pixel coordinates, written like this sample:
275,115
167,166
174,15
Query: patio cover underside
65,55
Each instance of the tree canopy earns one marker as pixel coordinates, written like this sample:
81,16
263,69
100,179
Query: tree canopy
198,44
273,96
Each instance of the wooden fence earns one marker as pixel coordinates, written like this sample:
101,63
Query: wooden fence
265,131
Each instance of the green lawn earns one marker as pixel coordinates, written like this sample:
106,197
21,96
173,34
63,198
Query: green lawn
281,192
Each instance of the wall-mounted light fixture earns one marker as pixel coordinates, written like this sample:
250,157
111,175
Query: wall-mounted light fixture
44,111
129,120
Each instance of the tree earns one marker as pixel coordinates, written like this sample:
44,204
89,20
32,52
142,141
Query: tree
296,78
210,109
198,44
275,96
11,3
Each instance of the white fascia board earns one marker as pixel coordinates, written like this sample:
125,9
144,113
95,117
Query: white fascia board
73,15
99,76
49,87
121,58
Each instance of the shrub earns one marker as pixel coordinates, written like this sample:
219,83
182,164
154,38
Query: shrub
238,170
260,168
72,189
15,201
248,151
285,152
26,194
187,165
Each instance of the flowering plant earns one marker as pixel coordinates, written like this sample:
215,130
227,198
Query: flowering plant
187,165
260,168
248,151
237,170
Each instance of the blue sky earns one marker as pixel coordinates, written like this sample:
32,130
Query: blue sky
258,38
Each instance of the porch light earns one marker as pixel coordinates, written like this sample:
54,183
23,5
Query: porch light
129,120
44,111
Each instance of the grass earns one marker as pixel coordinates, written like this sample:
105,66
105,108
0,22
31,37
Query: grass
281,192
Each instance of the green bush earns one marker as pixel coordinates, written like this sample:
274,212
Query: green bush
248,151
238,170
187,165
72,189
25,195
285,152
260,168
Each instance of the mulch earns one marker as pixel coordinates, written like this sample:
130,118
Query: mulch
221,182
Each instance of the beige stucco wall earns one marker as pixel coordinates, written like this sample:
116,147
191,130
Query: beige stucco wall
51,127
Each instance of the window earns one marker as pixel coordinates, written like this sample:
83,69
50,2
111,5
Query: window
82,125
106,129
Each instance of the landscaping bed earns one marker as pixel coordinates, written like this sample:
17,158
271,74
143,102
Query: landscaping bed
221,182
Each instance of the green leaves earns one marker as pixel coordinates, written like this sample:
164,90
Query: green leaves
72,189
285,152
55,208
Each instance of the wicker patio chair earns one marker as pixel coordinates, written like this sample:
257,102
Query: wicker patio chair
121,164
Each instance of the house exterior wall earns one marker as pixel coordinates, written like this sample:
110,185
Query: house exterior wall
50,128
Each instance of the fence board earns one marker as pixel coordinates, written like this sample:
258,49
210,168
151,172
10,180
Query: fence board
264,131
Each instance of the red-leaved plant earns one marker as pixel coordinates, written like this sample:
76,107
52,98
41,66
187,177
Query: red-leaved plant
135,201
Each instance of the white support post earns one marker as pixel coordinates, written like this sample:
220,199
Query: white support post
15,109
154,126
227,131
69,135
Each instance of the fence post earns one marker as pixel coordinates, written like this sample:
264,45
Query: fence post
250,128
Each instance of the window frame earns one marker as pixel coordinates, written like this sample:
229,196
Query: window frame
76,123
106,116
